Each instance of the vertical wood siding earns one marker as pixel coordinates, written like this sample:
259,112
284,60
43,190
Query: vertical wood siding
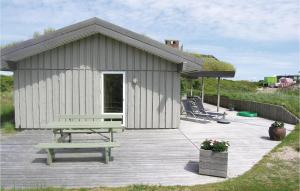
17,99
67,80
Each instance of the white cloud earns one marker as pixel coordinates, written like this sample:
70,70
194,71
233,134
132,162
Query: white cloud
249,20
188,20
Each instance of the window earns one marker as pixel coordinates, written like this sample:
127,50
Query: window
113,93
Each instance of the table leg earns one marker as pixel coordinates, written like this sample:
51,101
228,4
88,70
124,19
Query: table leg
111,139
111,136
54,135
70,137
49,156
106,155
61,135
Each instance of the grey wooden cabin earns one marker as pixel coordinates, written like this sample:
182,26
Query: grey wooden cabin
95,67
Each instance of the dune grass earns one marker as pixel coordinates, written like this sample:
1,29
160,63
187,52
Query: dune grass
244,90
290,102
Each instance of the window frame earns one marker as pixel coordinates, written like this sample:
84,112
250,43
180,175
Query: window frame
124,94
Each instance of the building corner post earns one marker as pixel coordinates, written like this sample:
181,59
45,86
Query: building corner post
218,93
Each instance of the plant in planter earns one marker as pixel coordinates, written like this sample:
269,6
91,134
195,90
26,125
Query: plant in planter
277,131
213,159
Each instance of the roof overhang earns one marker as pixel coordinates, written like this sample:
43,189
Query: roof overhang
214,74
93,26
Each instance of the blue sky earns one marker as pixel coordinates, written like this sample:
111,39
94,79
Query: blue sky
261,38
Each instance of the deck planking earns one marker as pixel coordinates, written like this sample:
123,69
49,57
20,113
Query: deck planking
150,156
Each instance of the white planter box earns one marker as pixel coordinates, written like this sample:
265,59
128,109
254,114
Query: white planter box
213,163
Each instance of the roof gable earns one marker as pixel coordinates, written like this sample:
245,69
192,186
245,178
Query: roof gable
92,26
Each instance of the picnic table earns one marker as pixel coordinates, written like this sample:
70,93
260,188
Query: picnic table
66,125
68,128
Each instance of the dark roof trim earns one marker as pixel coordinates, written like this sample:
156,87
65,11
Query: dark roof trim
215,74
90,27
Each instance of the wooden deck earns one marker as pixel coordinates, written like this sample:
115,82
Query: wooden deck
167,157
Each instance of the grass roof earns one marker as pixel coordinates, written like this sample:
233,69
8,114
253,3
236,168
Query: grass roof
211,63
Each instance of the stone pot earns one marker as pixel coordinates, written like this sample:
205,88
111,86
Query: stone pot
213,163
277,134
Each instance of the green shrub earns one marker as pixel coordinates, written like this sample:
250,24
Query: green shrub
6,83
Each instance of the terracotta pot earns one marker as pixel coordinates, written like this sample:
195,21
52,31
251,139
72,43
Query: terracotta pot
277,134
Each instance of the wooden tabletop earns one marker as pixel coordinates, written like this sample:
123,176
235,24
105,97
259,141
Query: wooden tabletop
85,125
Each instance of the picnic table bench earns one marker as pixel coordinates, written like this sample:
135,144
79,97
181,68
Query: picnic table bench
49,147
69,124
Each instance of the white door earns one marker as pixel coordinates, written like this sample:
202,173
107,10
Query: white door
113,96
